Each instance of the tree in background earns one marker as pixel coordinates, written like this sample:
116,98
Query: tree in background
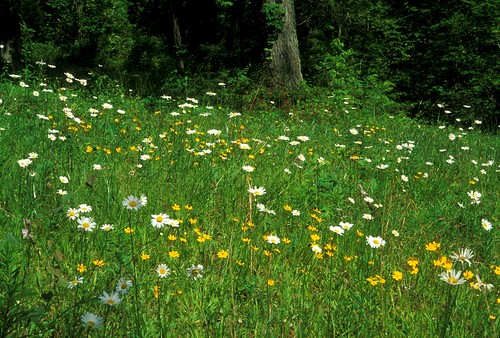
419,52
284,62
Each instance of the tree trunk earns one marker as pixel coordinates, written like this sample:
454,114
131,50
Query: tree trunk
284,66
178,43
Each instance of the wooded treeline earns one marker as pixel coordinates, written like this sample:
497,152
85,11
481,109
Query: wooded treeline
418,53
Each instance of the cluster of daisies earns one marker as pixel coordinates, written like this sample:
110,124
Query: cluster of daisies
113,298
453,276
25,162
123,285
85,222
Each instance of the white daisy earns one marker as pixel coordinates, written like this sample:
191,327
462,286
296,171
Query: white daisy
375,242
163,270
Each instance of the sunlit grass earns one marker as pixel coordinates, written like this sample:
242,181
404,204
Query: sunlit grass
180,216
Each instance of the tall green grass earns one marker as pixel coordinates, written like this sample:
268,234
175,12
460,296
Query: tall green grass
273,263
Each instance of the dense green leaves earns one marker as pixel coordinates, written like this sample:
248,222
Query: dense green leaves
432,52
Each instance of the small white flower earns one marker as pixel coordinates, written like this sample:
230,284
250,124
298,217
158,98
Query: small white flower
475,195
195,271
160,220
248,168
451,277
110,299
107,227
480,285
86,223
83,208
337,229
91,320
257,191
163,271
132,203
74,282
368,199
345,225
273,239
24,162
72,213
316,248
463,255
123,285
375,242
486,224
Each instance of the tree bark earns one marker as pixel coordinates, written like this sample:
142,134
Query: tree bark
284,66
178,43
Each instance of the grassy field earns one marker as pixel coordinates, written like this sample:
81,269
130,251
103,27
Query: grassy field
145,217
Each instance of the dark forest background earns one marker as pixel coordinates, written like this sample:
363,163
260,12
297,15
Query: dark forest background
391,54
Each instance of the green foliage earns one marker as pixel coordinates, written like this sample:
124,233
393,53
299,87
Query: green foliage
418,54
452,54
83,33
16,296
343,75
274,17
431,53
273,14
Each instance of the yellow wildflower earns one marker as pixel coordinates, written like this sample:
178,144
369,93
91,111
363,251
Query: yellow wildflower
81,268
468,274
397,275
99,263
432,246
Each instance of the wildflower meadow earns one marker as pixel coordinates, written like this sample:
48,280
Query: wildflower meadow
125,216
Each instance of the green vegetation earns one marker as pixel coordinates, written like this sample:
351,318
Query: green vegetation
418,53
178,215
